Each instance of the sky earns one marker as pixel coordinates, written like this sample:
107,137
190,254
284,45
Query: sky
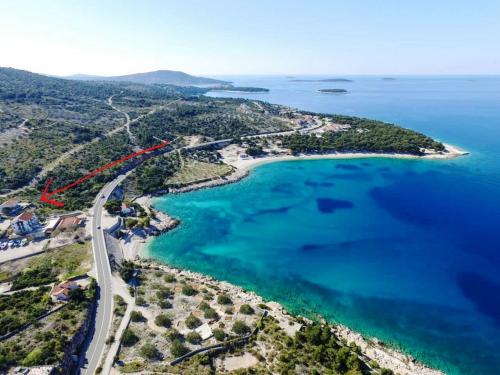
230,37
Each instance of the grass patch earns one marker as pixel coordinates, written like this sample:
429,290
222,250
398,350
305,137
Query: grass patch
196,171
60,264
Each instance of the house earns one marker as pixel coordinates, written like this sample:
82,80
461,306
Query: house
62,291
127,210
10,206
204,331
25,223
67,223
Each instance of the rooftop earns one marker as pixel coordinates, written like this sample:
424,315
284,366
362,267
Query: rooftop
69,222
26,216
10,202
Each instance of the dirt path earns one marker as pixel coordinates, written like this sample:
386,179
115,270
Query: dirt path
11,134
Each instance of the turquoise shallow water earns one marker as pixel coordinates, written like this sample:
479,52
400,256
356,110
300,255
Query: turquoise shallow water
404,250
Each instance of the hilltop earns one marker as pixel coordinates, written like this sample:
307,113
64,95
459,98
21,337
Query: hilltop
169,77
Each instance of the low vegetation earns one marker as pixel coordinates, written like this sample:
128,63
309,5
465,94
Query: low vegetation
279,344
45,342
22,307
55,265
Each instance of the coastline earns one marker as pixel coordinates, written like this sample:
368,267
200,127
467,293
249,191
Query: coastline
247,164
136,249
242,167
371,347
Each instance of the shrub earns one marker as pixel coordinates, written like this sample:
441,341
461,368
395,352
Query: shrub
178,349
192,322
223,299
149,351
169,278
188,290
163,320
172,335
165,304
130,223
140,301
136,316
229,311
119,300
263,306
204,306
193,338
240,328
386,371
129,337
113,206
35,357
219,334
246,309
210,314
164,293
134,366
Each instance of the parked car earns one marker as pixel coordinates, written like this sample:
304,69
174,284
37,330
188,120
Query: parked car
3,245
24,242
17,243
10,243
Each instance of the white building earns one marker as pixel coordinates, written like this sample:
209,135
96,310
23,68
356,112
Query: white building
127,210
204,331
25,223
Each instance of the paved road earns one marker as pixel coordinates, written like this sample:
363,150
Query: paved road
97,342
104,313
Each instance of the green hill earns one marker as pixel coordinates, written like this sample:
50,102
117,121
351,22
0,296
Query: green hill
169,77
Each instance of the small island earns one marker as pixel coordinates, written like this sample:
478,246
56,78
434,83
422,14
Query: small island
333,91
239,89
323,80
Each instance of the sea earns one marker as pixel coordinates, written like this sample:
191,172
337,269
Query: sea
407,251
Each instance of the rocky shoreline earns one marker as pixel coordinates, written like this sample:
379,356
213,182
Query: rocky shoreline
371,348
237,175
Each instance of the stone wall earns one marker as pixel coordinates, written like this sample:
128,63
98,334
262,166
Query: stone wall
68,364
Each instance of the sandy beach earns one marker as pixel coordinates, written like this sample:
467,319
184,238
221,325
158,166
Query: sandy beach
247,164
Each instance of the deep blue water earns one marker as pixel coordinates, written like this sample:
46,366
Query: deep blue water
404,250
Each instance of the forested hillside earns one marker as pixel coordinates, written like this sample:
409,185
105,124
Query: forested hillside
58,114
210,118
363,135
81,125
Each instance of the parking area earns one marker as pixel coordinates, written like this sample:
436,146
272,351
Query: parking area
11,251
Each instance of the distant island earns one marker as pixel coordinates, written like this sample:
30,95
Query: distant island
168,77
388,79
239,89
323,80
333,91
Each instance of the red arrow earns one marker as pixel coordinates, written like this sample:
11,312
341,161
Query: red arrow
45,197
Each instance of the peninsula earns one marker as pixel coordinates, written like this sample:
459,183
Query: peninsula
231,88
